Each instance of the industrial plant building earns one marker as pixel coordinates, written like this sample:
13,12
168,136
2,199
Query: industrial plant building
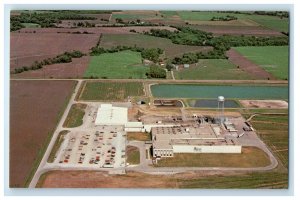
202,139
168,139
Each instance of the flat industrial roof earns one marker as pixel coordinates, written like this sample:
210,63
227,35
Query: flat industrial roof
165,137
110,115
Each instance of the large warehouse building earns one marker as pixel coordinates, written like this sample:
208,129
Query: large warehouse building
110,115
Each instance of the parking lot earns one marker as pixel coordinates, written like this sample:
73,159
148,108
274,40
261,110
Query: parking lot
104,146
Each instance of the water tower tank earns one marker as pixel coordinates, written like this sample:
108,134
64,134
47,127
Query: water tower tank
221,98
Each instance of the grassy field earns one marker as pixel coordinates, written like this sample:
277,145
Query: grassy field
31,25
212,69
146,41
274,131
138,136
246,181
274,59
271,22
250,157
124,64
59,140
75,116
111,91
133,155
132,15
94,179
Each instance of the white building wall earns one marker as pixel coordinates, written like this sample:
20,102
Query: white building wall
134,130
206,149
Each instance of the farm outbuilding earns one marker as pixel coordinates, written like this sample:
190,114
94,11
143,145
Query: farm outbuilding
186,65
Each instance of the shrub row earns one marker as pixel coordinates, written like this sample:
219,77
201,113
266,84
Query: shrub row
150,54
226,18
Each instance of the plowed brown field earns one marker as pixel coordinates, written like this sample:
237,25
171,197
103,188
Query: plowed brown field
248,66
74,69
25,48
35,108
239,30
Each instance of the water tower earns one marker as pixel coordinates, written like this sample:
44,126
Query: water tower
221,101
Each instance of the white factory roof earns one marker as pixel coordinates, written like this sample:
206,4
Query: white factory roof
110,115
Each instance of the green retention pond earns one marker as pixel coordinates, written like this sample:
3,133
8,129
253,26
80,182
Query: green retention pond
213,91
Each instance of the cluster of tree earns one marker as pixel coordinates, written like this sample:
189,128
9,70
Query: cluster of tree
62,58
105,20
281,14
190,58
189,36
45,19
15,25
150,54
226,41
185,35
156,72
84,24
137,22
226,18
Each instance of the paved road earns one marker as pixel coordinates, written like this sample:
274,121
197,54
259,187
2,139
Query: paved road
52,142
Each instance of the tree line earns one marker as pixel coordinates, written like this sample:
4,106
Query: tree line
149,54
66,57
226,18
44,19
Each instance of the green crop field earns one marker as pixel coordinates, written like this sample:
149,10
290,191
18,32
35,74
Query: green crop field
272,22
136,15
124,64
274,59
218,69
145,41
202,16
110,91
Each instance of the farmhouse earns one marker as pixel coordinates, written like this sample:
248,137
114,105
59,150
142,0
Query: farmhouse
203,139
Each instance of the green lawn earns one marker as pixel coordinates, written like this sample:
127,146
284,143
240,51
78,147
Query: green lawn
133,155
146,41
111,91
75,116
212,69
274,131
59,140
250,157
274,59
124,64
